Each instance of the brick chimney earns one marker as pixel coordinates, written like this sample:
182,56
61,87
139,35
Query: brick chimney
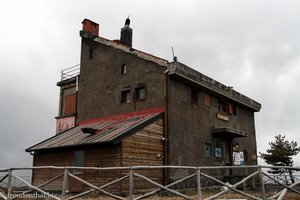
90,27
126,34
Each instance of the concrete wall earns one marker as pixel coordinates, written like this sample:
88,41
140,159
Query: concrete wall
190,126
101,81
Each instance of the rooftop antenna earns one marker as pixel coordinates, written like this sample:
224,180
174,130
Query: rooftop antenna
127,21
174,57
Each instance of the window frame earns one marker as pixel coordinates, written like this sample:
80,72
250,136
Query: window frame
70,104
138,96
123,69
125,96
206,100
194,96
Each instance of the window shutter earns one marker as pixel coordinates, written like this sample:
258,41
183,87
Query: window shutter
206,99
70,104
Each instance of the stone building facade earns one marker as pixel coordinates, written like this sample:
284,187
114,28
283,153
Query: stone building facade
203,122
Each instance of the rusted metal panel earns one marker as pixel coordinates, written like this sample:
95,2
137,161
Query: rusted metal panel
108,129
65,123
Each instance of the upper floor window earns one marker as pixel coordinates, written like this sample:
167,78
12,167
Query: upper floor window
125,96
229,108
123,69
70,104
90,53
194,96
140,93
206,99
222,106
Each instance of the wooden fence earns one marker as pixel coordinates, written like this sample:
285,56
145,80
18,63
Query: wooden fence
9,191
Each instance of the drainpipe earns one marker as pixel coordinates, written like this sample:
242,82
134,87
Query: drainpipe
76,103
166,126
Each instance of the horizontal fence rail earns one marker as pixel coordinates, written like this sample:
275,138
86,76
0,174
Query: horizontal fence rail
70,72
13,185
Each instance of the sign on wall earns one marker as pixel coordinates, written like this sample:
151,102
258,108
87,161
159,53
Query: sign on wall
238,158
218,152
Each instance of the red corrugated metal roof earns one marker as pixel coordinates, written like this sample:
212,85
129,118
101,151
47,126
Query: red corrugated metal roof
108,129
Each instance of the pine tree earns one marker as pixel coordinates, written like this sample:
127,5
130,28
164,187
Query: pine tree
280,154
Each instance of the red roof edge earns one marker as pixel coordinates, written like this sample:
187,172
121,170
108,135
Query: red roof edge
125,115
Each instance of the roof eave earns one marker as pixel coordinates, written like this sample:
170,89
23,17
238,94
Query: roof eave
215,87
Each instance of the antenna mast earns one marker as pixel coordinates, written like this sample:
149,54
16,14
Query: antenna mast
174,57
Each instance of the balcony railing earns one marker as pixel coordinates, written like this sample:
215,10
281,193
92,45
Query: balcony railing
70,72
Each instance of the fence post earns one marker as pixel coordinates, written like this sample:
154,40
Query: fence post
9,184
130,184
65,184
199,184
262,186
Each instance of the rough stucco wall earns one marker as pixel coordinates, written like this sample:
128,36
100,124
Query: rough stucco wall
190,128
101,81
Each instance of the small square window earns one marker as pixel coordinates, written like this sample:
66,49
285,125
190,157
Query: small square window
194,96
140,93
125,96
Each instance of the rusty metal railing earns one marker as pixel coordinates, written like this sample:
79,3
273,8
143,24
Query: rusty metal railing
130,175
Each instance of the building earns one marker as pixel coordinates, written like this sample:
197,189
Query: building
127,107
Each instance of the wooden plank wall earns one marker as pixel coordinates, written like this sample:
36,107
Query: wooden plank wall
93,157
103,157
145,147
40,176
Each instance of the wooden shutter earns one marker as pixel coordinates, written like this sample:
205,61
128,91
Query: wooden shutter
206,99
70,104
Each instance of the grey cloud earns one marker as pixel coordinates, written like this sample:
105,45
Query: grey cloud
251,45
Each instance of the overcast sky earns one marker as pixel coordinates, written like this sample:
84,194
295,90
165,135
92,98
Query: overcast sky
252,45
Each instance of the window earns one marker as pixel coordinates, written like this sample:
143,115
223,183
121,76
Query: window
206,99
79,158
194,96
125,96
91,54
207,150
140,93
123,69
222,106
231,109
70,104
